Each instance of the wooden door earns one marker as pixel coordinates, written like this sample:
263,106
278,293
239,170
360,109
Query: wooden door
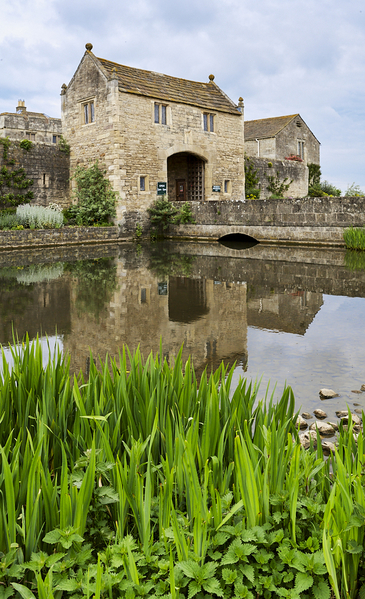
181,190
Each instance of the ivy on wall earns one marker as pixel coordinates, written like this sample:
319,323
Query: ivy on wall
14,185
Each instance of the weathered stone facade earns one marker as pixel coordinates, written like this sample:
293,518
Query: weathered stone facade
148,128
279,137
35,126
295,173
47,166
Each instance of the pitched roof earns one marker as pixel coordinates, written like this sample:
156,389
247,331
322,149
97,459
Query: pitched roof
167,88
264,128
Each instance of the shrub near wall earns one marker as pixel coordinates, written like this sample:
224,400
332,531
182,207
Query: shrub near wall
290,170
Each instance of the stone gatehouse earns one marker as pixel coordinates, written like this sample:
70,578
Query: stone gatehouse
156,134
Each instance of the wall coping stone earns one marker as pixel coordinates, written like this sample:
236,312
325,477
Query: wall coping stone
54,237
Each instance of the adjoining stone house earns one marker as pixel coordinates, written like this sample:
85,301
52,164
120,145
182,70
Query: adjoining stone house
270,142
281,136
44,162
35,126
156,134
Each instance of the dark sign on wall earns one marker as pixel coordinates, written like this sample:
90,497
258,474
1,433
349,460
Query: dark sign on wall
161,188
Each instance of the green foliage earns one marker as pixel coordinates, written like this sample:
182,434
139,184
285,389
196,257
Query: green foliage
314,175
39,217
354,238
330,189
276,186
252,190
12,179
164,263
95,197
184,215
163,214
141,480
64,146
25,144
353,191
139,232
96,283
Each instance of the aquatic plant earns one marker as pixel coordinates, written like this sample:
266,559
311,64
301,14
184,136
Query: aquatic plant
354,238
140,481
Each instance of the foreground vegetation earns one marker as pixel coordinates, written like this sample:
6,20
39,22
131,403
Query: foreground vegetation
354,238
142,481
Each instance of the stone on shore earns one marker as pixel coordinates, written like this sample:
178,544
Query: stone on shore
307,415
327,393
324,428
320,414
328,447
305,439
301,423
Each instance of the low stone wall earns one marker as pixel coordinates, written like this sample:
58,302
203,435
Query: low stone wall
306,220
53,237
47,166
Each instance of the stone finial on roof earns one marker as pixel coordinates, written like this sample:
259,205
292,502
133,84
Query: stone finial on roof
89,47
63,89
211,78
240,104
113,75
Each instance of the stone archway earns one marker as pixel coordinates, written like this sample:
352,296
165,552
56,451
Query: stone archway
186,177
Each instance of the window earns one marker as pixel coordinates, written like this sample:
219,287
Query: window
160,113
89,113
208,122
227,186
143,183
55,138
301,149
30,136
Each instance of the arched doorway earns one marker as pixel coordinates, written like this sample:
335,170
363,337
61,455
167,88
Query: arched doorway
185,175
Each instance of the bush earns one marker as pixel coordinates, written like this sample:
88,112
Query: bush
95,197
8,221
25,144
353,191
39,217
330,189
252,180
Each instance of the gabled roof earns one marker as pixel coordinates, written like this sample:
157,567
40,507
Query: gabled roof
167,88
264,128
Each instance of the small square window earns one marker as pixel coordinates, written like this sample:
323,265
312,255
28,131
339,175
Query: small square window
142,184
30,136
227,186
143,295
54,139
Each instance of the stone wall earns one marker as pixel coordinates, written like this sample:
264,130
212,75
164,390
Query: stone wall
47,166
287,141
294,172
125,138
64,236
35,126
306,220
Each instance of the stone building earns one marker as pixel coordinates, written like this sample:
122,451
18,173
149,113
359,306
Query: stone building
156,134
35,126
278,137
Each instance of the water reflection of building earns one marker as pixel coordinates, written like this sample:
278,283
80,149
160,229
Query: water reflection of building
208,317
38,308
291,311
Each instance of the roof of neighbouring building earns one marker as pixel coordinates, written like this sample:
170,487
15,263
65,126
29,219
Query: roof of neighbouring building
264,128
167,88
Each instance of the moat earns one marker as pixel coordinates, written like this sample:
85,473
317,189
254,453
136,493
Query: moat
286,314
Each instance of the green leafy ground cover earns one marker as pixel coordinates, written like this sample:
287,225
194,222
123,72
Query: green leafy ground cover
142,481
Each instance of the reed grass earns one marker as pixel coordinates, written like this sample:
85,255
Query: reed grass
354,238
116,485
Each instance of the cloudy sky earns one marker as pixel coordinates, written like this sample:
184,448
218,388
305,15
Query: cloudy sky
281,56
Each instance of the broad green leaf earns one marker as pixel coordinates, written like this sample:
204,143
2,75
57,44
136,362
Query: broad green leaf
212,586
321,590
194,589
303,582
24,591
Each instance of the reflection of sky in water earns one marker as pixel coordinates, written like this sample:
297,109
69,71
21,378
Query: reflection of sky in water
331,354
49,348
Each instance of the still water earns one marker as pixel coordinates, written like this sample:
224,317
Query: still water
288,315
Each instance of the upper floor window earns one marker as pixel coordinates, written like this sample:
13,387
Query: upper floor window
30,136
55,138
208,122
160,113
300,149
89,113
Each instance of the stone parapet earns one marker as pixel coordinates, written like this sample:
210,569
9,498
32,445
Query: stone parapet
53,237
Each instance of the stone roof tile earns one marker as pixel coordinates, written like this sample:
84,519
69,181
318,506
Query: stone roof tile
167,88
265,128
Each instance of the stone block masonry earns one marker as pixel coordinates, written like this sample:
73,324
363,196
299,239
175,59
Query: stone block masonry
307,220
295,173
47,166
55,237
